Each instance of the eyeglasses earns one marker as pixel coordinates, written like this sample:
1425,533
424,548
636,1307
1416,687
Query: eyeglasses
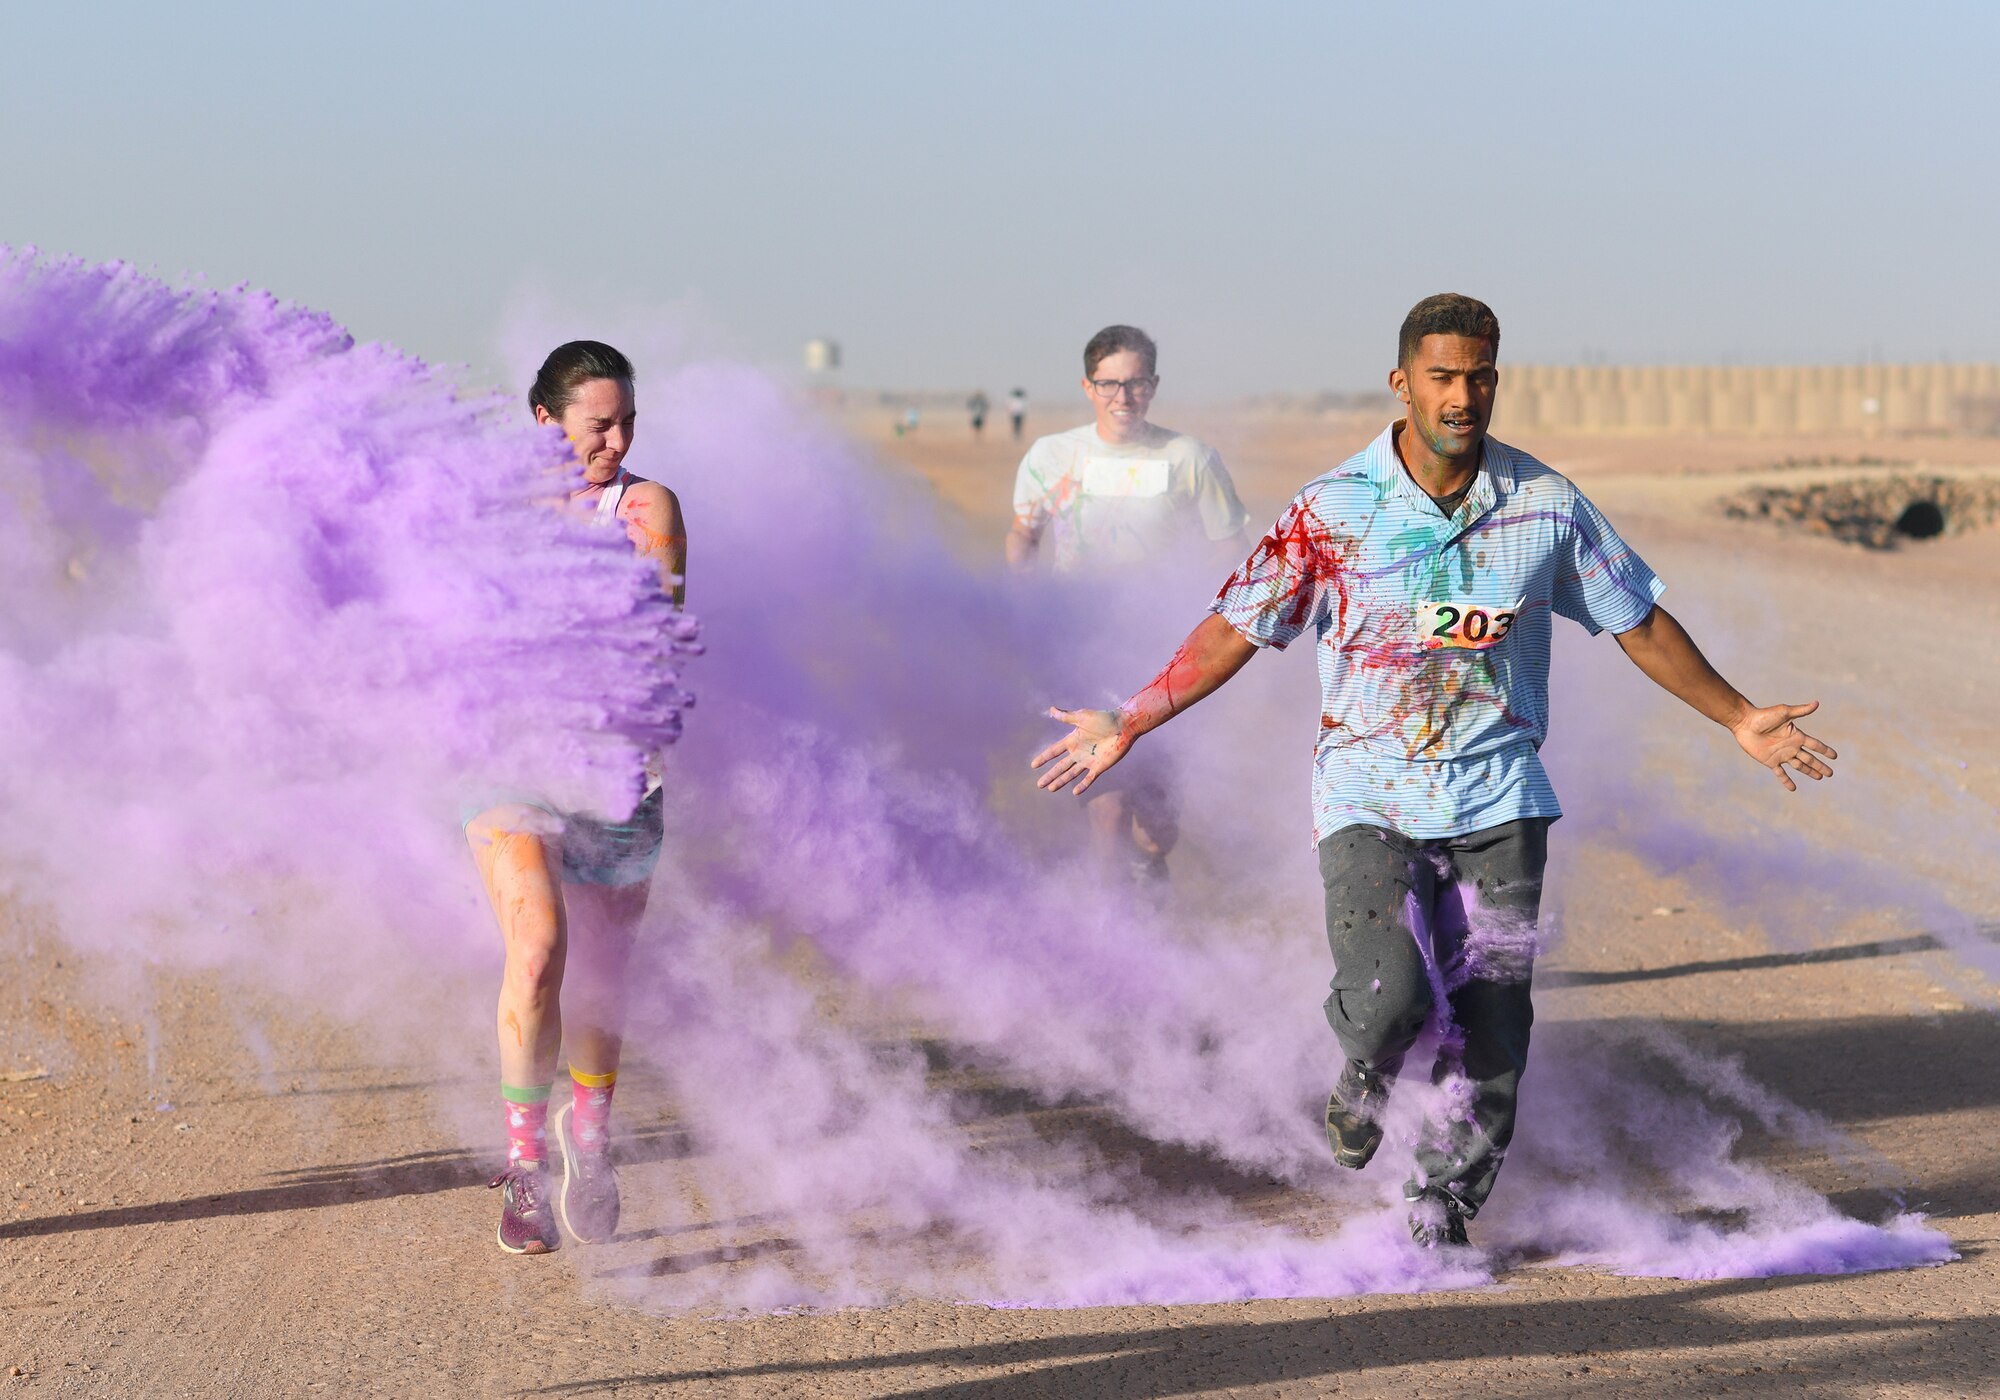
1138,388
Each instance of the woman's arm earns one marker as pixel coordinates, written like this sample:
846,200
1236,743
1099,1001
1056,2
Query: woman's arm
654,524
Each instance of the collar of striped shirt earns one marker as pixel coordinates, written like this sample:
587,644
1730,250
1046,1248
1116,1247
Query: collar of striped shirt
1392,478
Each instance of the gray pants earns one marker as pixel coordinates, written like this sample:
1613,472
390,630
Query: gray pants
1412,922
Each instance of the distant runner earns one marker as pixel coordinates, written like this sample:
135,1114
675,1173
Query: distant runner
1109,495
568,888
1429,568
1017,410
977,407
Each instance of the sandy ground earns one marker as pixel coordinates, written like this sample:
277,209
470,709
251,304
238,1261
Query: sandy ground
236,1199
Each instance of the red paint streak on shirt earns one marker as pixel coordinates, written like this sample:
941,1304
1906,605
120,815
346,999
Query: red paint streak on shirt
1301,554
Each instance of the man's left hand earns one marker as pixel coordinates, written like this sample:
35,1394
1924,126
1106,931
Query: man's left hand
1770,736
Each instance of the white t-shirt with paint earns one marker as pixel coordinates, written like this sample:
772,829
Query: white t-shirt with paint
1096,504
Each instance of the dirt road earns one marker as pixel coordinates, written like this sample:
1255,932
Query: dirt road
224,1196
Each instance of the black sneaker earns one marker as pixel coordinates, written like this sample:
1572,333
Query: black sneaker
1354,1115
527,1223
1436,1220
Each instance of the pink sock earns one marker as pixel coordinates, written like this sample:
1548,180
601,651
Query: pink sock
527,1123
591,1113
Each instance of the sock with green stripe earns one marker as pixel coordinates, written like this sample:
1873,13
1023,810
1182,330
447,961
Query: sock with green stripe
591,1111
527,1124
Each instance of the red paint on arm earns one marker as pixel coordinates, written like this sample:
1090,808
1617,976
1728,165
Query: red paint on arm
1180,676
653,522
1212,653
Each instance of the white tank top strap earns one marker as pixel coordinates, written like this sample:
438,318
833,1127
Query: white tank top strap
607,502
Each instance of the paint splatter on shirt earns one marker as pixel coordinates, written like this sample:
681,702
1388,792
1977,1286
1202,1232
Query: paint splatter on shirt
1105,505
1434,632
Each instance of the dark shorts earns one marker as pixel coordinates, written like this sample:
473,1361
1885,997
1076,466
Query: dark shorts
1144,784
596,852
1146,778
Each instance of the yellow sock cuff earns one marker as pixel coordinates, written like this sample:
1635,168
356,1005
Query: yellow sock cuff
594,1081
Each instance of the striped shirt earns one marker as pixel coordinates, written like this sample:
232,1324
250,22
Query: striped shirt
1434,632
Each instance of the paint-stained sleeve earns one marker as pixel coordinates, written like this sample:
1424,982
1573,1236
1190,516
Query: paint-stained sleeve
1282,588
1599,581
1222,515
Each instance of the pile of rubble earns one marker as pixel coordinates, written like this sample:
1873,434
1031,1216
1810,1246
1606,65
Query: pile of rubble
1877,511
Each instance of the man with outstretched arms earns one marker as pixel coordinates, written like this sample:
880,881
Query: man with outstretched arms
1429,568
1114,496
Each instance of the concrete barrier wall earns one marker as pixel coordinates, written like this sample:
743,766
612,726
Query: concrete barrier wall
1740,399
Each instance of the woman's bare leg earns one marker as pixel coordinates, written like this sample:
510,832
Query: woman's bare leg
604,920
520,857
520,862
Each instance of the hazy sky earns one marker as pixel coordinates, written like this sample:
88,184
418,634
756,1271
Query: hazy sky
960,194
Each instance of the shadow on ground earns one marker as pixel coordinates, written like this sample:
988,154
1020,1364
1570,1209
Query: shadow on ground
1587,1338
1860,1069
983,1094
1846,952
415,1174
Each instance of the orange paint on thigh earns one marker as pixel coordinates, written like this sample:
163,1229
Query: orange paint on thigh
516,852
520,858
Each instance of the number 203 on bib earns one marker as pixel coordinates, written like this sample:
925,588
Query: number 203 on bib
1466,626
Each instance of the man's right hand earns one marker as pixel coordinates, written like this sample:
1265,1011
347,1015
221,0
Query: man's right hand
1097,739
1212,653
1022,542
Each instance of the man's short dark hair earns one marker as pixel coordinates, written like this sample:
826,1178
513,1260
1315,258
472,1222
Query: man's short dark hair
1111,340
1447,313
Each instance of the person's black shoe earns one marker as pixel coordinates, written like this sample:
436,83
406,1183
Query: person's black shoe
1354,1115
1436,1220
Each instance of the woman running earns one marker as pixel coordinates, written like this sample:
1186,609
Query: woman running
568,888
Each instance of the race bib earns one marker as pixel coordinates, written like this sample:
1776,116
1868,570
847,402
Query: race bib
1125,476
1467,626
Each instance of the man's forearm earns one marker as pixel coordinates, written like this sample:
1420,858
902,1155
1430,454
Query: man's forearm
1661,648
1021,543
1212,653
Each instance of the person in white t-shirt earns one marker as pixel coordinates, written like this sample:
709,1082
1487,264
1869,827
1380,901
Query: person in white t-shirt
1111,496
1121,489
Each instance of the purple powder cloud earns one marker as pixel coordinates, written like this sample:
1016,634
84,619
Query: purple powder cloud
274,605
